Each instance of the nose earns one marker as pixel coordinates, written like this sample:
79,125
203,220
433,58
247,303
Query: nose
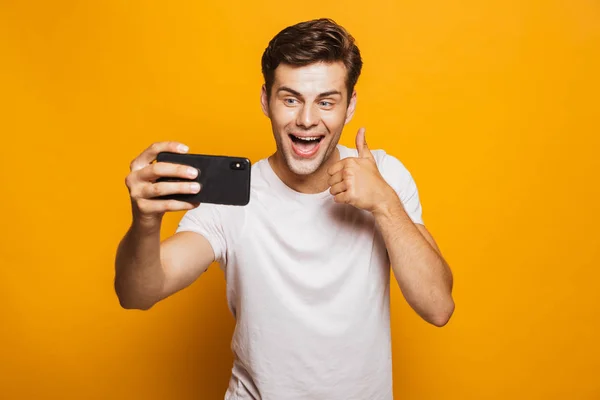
308,116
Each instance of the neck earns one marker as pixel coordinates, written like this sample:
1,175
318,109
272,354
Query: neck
308,184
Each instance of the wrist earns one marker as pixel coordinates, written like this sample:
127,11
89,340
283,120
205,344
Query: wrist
390,206
145,224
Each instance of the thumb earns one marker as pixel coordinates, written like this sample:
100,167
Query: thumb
361,144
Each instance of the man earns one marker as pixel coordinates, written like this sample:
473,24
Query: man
307,261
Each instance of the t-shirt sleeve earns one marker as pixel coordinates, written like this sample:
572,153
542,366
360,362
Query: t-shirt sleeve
398,176
207,220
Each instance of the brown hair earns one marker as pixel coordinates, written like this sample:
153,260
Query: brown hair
318,40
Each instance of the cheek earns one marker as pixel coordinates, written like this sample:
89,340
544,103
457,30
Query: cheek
334,120
282,116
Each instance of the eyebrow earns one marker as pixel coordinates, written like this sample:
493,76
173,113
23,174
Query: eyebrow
296,93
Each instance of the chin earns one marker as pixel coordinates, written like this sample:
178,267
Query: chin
303,167
301,161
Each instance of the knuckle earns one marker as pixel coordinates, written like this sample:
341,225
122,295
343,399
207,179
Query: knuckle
135,190
135,165
143,205
164,206
156,190
171,205
155,168
136,195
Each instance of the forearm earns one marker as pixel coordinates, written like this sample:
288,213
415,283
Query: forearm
422,274
139,276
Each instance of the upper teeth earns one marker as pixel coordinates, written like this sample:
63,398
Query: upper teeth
308,138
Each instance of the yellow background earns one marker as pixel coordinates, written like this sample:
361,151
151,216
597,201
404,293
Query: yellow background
493,107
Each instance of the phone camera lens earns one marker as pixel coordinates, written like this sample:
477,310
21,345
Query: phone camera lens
237,165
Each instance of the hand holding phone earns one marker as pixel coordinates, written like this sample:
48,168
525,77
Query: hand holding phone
145,189
222,179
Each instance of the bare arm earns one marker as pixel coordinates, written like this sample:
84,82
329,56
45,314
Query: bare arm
146,270
422,273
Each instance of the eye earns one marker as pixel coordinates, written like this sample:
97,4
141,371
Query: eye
326,104
289,101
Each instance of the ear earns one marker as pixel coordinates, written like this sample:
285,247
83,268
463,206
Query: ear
264,102
351,108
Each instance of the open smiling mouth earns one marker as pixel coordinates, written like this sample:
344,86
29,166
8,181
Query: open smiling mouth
306,146
306,139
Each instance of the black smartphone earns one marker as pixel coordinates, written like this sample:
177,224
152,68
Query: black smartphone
223,179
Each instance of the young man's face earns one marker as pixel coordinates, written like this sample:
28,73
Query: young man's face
308,110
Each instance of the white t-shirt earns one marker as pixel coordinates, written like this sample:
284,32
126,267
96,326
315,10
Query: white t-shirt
308,284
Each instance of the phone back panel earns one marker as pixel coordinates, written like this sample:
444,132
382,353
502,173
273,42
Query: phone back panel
223,179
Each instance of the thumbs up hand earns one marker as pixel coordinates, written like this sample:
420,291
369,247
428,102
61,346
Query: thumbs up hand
357,180
361,145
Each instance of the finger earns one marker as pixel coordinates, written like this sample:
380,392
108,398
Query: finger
151,190
361,144
338,188
336,178
337,167
163,169
342,198
148,206
149,155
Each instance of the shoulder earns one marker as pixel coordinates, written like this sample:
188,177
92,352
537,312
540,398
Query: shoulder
389,164
394,171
